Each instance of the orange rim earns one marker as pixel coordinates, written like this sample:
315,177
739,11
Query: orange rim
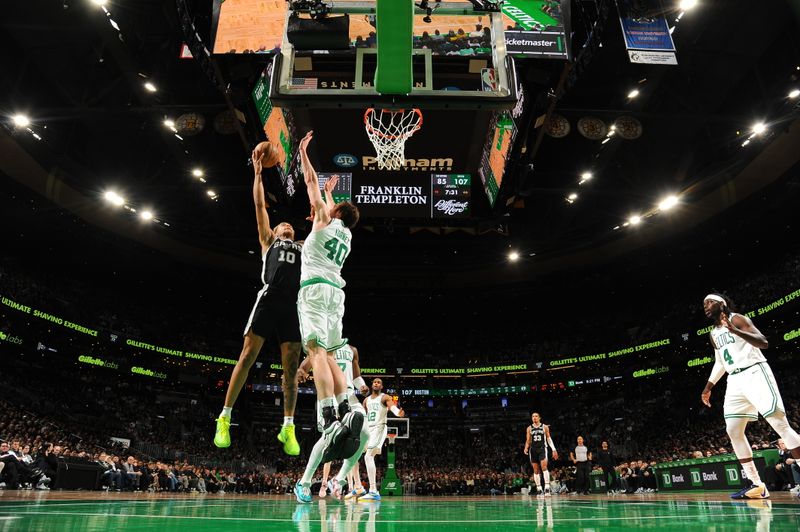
381,134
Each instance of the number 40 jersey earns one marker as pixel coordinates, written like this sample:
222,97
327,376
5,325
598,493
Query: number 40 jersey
324,253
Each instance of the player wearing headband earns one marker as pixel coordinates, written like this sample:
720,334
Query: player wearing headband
537,441
751,390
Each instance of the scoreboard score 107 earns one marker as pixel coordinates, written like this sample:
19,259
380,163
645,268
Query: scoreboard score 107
450,195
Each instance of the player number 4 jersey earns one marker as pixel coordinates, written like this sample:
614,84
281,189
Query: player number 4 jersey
732,351
324,253
376,410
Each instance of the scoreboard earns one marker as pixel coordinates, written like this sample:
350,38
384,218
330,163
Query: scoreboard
404,195
450,195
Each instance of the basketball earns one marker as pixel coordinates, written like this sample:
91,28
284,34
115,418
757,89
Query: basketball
270,156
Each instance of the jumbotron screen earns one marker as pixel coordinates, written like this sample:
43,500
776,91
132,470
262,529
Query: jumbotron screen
439,196
534,28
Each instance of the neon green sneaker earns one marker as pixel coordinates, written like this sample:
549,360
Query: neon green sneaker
222,438
286,437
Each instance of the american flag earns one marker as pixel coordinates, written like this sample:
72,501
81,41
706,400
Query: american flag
304,83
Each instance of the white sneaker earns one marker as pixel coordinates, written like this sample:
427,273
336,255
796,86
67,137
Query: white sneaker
795,490
356,493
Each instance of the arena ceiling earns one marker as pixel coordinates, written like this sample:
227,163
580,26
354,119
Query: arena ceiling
80,75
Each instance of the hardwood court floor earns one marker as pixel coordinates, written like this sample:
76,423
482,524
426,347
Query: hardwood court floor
66,511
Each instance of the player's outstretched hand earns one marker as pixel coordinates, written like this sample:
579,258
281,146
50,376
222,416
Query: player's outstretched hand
402,413
305,140
725,321
256,157
555,455
364,390
301,375
525,450
330,184
705,397
313,213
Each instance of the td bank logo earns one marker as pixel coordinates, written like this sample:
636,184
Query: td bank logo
732,474
666,480
697,479
5,337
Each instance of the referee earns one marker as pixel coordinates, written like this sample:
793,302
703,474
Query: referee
581,458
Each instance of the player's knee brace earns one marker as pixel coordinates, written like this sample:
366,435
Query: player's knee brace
781,425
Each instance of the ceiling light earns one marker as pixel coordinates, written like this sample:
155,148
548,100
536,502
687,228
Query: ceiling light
146,215
114,198
795,93
586,176
573,196
169,123
21,120
606,140
513,256
633,94
197,172
759,128
668,203
634,220
150,87
211,193
686,5
99,2
745,143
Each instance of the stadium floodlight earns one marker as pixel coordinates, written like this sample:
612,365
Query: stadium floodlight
759,128
211,193
150,87
146,216
635,219
633,94
100,3
686,5
573,196
513,256
795,93
197,172
586,176
114,198
21,120
169,123
668,203
745,143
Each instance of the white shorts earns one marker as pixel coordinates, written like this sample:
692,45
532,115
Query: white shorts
355,406
377,435
752,392
320,308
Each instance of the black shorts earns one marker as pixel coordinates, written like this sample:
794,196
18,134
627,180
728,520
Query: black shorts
275,316
538,454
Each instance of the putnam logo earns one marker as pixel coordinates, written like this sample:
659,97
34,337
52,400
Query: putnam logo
414,165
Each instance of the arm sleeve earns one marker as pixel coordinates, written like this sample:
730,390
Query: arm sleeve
551,444
718,370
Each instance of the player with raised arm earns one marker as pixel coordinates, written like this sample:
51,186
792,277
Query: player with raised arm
274,314
751,390
320,306
346,358
377,405
537,441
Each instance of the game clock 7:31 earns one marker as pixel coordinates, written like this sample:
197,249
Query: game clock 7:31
450,195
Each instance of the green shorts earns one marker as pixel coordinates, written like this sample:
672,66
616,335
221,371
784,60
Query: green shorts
320,307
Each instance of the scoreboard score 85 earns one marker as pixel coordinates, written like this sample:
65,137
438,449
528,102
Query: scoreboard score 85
450,195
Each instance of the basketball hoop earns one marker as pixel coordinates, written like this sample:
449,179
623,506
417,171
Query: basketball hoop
388,131
391,437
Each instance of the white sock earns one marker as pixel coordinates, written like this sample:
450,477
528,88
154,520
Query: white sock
751,472
537,481
341,397
546,474
226,411
288,420
327,401
313,462
372,471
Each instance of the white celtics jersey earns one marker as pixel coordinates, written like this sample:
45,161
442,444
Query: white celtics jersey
344,359
324,253
732,351
376,410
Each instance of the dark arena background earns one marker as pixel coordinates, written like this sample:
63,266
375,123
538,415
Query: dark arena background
585,173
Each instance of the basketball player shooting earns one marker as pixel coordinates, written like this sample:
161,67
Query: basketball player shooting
751,390
274,313
320,305
537,440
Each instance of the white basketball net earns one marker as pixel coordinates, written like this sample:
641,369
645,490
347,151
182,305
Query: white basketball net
388,131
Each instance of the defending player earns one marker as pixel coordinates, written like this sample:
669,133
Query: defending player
320,305
376,405
274,314
751,390
346,358
537,441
